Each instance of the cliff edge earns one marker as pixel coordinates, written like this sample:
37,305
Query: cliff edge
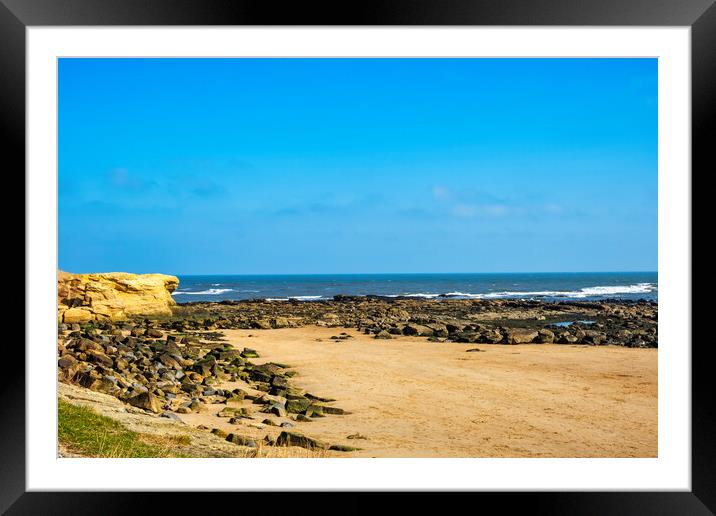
113,295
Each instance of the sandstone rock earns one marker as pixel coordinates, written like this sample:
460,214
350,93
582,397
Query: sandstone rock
99,358
115,296
66,361
261,324
521,336
418,329
146,401
75,315
545,336
566,338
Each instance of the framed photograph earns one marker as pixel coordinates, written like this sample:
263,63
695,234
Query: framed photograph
411,248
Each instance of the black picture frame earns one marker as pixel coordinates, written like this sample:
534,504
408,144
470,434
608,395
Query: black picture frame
700,15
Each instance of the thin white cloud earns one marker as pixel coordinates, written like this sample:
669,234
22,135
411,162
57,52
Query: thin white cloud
482,210
464,210
441,193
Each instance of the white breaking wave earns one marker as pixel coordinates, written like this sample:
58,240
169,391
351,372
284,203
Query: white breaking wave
596,291
638,288
419,294
210,292
298,298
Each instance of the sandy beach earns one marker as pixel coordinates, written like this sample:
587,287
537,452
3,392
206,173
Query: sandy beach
417,378
415,398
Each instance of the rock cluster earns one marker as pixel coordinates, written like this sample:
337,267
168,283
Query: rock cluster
165,373
623,323
114,296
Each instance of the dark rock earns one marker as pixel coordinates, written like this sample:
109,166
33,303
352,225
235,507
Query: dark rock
295,439
417,329
545,336
219,433
249,353
242,440
520,336
67,361
334,410
297,406
343,448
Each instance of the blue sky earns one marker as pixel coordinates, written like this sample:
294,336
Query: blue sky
263,166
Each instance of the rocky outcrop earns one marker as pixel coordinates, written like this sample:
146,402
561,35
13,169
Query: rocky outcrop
484,321
169,373
115,296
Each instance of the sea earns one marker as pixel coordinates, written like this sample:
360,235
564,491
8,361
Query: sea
548,286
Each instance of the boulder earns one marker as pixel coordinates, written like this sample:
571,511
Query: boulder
297,406
66,361
296,439
115,295
146,401
545,336
241,440
521,336
261,324
417,329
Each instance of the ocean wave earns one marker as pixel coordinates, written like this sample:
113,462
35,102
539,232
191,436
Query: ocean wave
210,292
298,298
419,294
597,291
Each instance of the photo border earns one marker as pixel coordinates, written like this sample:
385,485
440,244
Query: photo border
700,15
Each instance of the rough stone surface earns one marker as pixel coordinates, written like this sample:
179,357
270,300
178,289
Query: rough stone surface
296,439
113,295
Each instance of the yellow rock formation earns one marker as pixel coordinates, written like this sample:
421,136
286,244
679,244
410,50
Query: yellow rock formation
113,295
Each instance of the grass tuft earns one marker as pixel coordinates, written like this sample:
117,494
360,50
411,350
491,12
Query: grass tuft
81,430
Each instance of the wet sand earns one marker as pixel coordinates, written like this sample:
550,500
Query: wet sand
415,398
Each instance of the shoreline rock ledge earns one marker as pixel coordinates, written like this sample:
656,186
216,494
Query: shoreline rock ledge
115,296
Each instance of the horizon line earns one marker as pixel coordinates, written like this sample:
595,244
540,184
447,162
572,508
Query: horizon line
415,273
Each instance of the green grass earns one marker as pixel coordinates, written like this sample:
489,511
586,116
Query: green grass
81,430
